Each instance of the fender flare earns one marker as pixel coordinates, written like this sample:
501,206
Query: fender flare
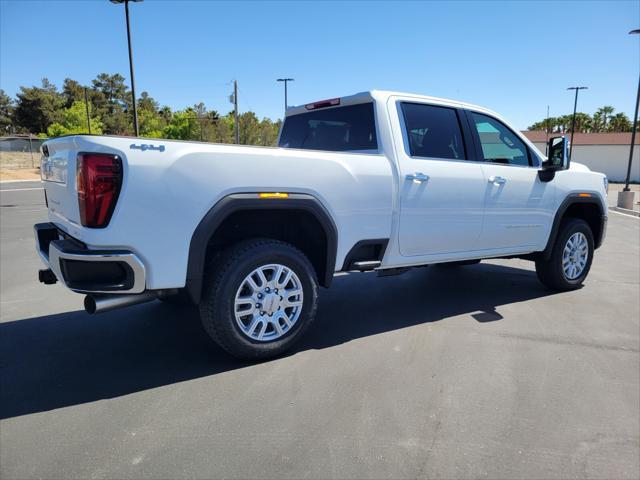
233,203
572,199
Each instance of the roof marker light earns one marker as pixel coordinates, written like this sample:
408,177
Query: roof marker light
332,102
273,195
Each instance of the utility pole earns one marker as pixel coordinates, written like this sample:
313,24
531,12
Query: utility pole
285,80
133,83
86,106
625,197
573,121
546,144
633,137
235,111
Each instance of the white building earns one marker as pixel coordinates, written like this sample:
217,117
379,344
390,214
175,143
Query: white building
603,152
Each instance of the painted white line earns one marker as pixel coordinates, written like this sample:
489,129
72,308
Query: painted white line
20,181
19,189
624,214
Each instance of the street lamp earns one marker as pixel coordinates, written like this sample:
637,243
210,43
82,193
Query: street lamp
285,80
625,198
573,121
133,83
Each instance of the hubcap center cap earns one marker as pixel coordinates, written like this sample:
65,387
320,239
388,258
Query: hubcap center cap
271,303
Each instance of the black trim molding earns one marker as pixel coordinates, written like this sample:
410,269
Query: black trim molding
572,199
251,201
355,254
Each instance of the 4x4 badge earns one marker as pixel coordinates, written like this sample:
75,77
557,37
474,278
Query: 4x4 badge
144,147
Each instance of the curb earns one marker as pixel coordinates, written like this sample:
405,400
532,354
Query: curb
625,211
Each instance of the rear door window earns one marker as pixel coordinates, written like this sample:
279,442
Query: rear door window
341,129
433,131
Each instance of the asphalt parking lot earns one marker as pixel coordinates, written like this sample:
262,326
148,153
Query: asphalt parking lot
465,372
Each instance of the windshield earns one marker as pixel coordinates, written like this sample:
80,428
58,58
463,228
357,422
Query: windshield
349,128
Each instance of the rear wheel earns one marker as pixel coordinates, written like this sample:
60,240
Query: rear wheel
259,298
571,257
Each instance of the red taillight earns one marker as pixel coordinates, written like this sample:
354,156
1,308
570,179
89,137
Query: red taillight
98,179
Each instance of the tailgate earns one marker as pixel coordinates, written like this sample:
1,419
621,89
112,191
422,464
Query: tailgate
58,172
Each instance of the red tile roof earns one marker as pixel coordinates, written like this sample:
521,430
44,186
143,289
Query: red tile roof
584,138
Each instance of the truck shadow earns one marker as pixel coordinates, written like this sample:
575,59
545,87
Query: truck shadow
67,359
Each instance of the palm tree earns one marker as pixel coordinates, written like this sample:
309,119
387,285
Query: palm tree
604,113
583,122
620,123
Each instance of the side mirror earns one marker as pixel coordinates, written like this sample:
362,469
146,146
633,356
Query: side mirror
558,158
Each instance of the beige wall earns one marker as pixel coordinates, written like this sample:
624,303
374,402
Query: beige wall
612,160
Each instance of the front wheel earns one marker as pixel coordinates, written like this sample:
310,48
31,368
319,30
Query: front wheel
259,298
570,259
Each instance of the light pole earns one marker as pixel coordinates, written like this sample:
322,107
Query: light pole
573,121
133,82
625,197
86,106
285,80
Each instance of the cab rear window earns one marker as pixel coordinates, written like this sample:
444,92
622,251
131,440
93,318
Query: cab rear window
341,129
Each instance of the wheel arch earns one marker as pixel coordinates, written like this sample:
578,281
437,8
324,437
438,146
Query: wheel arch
586,206
294,206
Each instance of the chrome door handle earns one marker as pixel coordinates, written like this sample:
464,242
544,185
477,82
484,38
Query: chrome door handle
497,180
417,177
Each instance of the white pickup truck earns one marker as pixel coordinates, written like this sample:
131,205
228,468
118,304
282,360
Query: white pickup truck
374,181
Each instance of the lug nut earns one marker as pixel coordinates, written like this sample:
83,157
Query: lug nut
276,290
259,295
258,305
262,313
267,289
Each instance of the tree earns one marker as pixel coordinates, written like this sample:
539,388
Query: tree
604,113
150,122
112,87
45,110
602,120
181,127
583,122
166,113
74,120
38,107
6,112
620,123
72,92
145,102
113,109
598,122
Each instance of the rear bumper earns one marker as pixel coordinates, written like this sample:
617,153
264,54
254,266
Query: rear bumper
88,271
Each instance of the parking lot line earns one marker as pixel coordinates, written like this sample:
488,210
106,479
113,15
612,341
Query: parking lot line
624,214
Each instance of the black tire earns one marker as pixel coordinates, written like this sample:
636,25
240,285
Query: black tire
550,272
225,275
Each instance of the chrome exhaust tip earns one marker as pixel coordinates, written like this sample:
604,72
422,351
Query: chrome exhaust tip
104,303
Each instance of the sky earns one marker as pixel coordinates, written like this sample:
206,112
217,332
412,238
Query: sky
514,57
